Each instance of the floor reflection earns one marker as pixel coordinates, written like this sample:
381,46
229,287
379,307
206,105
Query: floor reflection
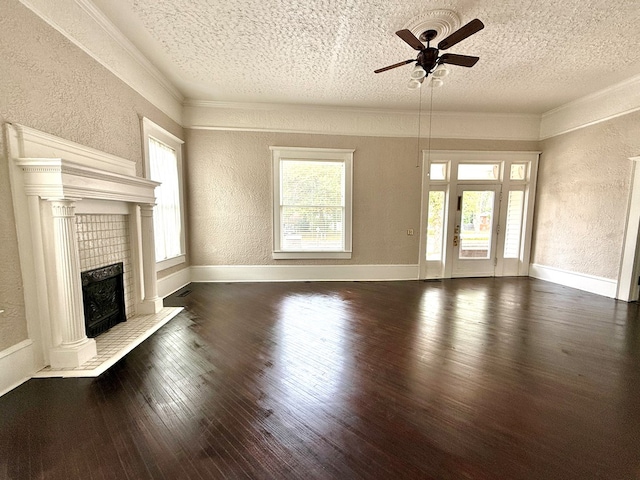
310,356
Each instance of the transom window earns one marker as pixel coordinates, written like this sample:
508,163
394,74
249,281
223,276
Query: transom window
312,202
478,171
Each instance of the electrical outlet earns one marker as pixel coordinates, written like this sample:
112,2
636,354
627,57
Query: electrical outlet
410,232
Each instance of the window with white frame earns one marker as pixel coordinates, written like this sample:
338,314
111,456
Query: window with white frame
163,163
312,202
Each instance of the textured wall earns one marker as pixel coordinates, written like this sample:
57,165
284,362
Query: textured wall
49,84
230,195
583,189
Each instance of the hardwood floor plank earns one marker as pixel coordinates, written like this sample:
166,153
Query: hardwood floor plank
469,378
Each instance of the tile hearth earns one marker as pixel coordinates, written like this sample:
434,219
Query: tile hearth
114,344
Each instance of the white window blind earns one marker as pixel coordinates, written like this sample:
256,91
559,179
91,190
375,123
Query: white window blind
163,164
312,205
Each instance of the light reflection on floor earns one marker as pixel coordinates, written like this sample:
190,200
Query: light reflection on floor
451,340
317,323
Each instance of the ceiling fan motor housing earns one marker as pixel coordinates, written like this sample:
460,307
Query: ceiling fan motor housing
428,59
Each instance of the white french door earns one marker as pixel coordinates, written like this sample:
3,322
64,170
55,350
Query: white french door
477,211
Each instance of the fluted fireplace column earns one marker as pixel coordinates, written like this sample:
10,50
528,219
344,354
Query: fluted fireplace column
67,319
151,303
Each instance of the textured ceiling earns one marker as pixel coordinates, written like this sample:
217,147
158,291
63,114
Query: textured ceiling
534,55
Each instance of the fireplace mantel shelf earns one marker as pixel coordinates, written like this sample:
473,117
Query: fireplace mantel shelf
60,178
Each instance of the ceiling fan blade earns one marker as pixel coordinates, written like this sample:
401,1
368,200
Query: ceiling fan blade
463,32
462,60
395,65
410,38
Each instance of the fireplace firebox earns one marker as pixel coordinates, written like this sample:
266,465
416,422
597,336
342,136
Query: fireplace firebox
103,298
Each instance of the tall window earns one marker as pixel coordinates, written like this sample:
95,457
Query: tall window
163,163
312,202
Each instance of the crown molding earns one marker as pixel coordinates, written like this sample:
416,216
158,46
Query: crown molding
614,101
326,120
82,23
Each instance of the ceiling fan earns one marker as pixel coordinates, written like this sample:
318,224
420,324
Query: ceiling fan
429,57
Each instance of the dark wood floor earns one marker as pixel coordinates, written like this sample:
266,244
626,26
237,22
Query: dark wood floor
460,379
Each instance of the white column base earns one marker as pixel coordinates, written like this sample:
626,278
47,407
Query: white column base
74,356
148,307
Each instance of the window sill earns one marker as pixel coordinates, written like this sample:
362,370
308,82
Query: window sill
309,255
170,262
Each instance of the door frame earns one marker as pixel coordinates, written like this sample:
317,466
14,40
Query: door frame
429,269
630,259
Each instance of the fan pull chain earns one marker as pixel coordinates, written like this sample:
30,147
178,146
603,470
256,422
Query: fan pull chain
419,119
430,117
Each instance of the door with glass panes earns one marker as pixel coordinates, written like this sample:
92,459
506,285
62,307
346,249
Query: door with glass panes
477,209
475,236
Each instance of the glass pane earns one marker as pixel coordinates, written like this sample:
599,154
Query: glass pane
312,205
435,225
476,224
312,183
167,223
438,171
518,171
514,224
312,228
478,171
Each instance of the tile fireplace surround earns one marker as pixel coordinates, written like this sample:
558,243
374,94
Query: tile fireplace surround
55,185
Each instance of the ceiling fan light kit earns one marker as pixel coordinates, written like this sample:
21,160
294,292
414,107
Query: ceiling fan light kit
440,71
414,83
418,72
418,75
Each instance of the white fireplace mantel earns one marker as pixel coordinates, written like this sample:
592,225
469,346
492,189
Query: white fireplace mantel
49,176
60,178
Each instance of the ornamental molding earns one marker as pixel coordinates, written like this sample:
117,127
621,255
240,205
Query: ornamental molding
445,22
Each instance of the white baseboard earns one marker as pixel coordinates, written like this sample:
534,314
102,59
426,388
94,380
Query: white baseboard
301,273
174,282
588,283
16,365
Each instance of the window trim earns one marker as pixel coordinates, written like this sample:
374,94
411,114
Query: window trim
312,154
153,130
